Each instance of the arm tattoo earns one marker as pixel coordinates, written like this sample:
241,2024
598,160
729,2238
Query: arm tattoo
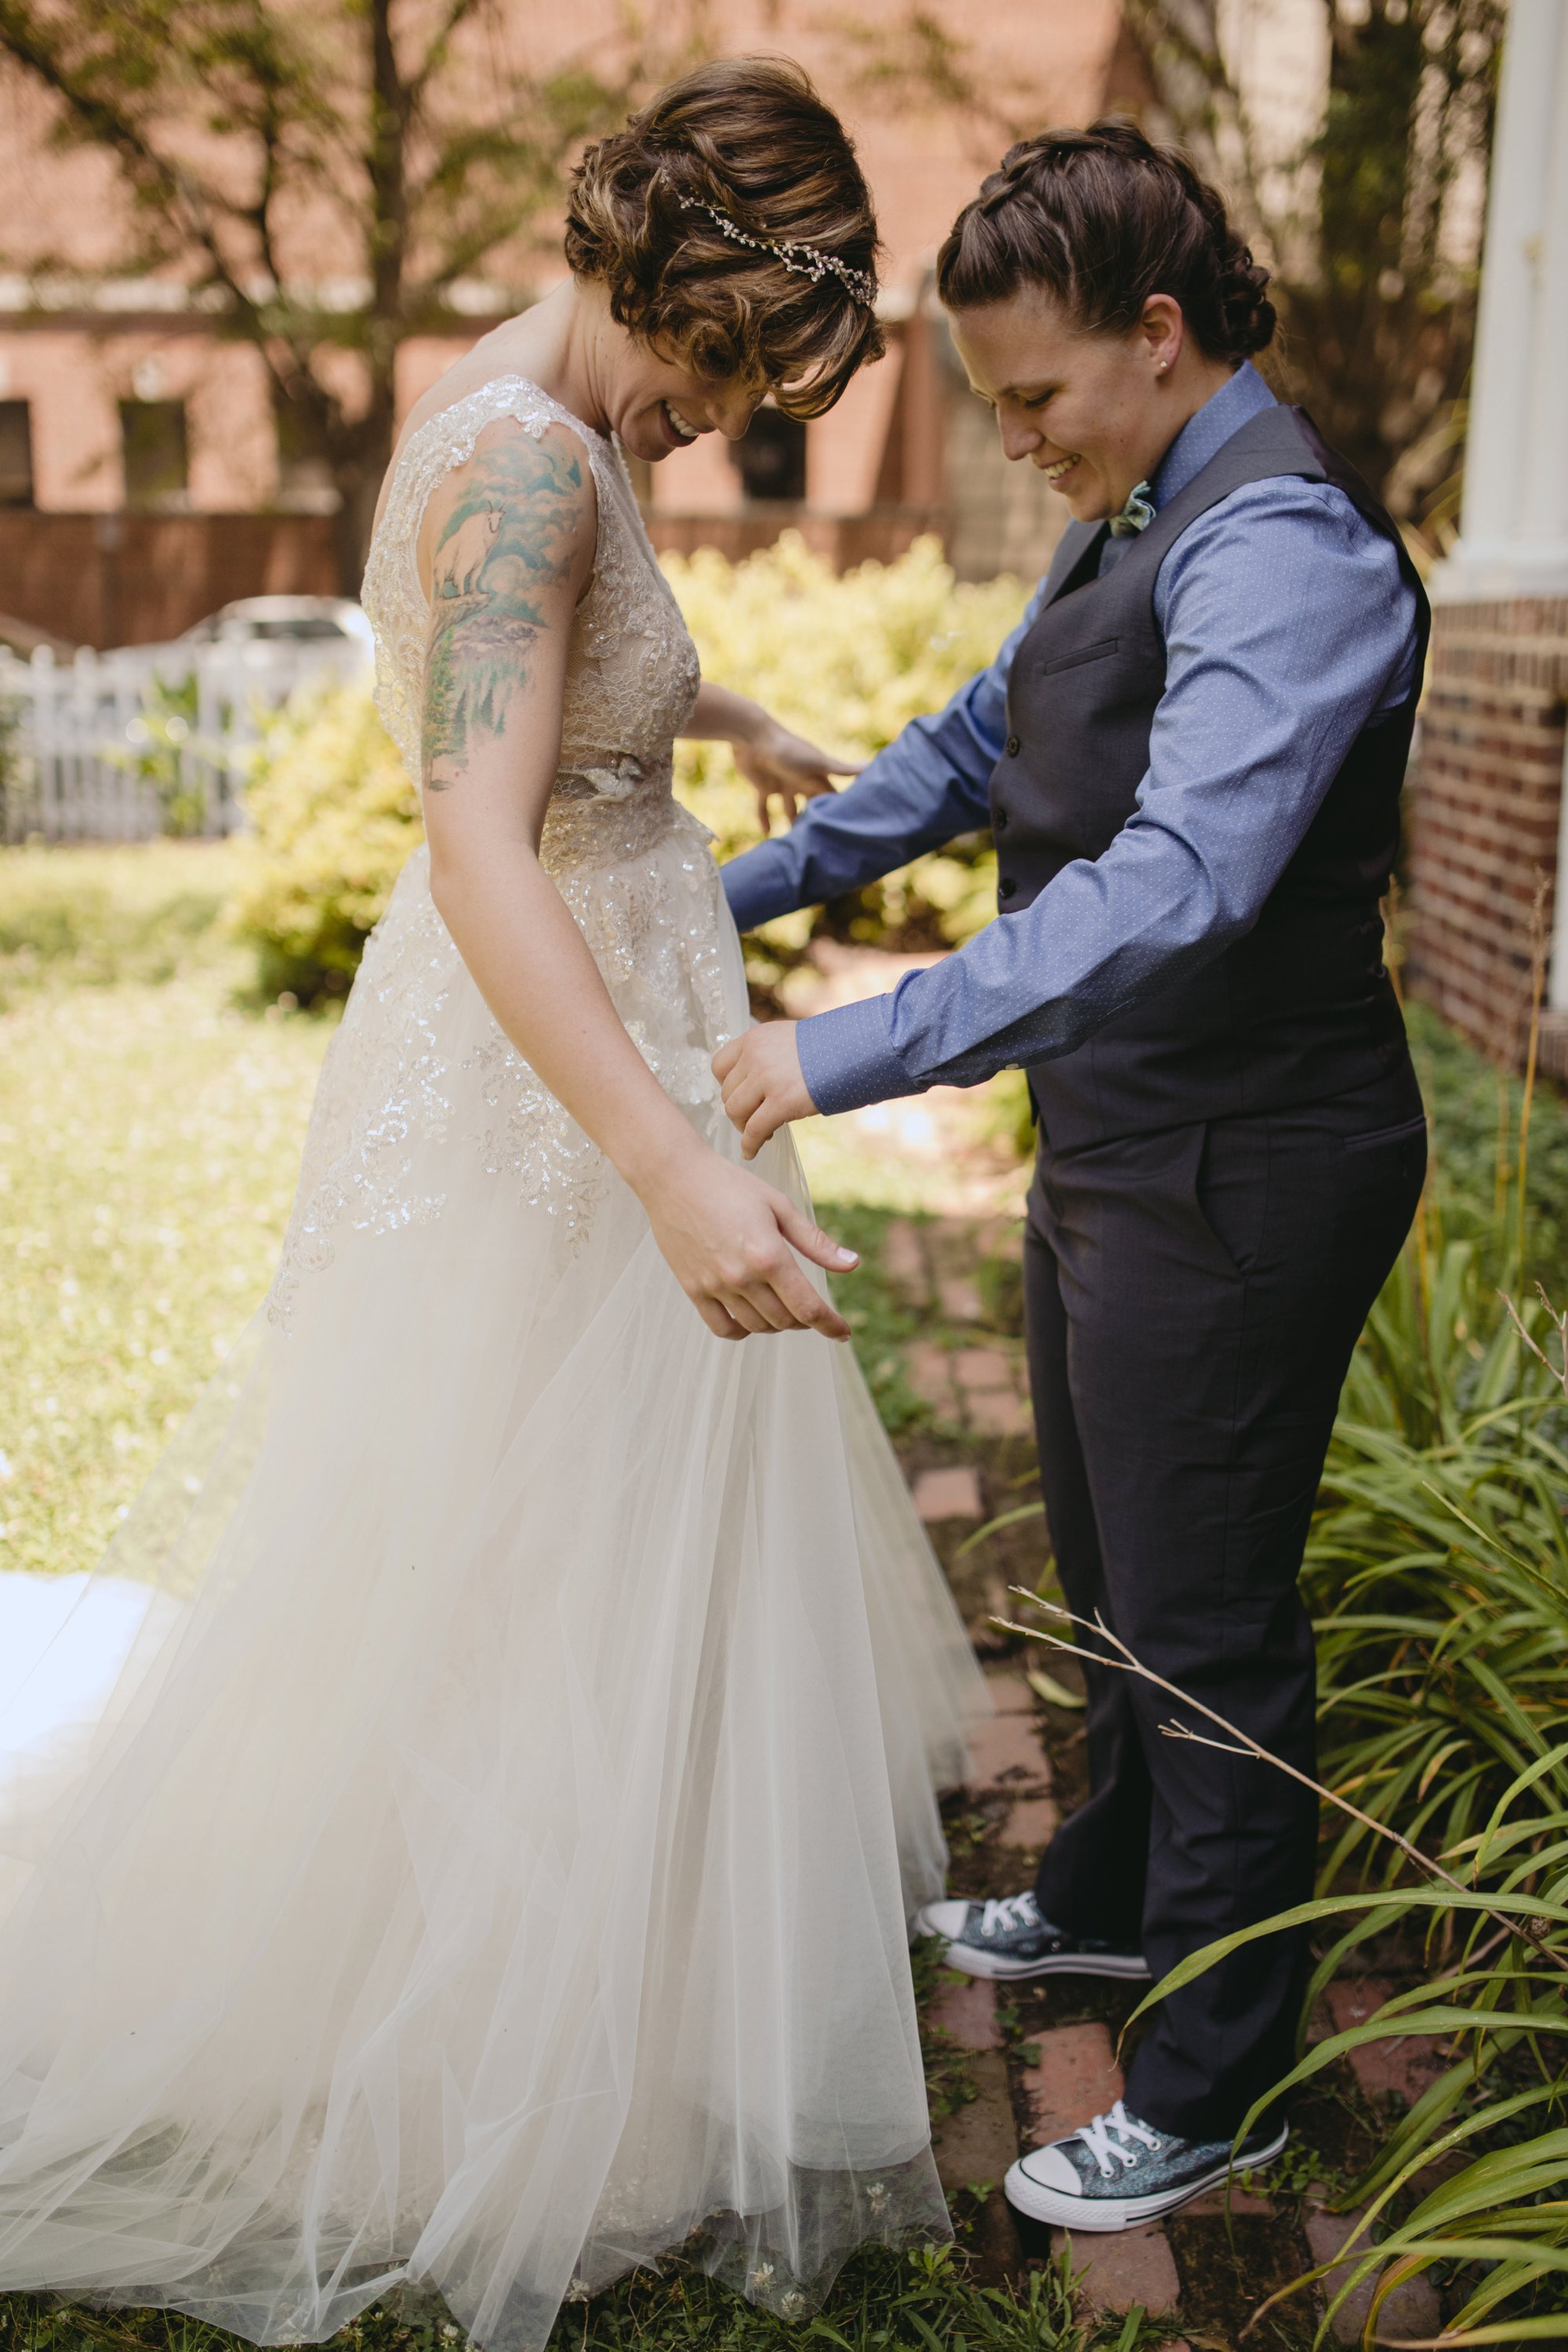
511,533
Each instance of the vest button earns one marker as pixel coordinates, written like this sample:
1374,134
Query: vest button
1005,888
999,821
1013,747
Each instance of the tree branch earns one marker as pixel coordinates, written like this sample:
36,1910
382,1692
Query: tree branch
1527,1931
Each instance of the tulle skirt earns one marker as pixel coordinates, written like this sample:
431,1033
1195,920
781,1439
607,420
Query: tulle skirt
465,1832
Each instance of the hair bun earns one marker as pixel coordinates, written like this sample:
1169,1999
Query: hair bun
1241,294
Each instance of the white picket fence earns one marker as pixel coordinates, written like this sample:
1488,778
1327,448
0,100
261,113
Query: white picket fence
80,740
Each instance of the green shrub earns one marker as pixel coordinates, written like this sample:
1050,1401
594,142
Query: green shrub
1476,1113
847,660
334,819
140,910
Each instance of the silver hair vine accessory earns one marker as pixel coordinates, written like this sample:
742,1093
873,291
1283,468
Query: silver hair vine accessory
806,260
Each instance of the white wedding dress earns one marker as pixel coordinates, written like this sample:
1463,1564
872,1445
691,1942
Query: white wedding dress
491,1863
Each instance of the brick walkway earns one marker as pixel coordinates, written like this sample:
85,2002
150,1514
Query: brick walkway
1013,2065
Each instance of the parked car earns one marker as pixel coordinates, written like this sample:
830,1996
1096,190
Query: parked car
298,620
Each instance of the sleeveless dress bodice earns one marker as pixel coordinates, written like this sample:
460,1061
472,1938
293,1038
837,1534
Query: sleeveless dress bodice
632,670
634,867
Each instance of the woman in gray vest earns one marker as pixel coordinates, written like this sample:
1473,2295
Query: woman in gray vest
1191,754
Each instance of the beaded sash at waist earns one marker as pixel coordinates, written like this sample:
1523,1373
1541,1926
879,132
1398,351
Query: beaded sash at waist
589,828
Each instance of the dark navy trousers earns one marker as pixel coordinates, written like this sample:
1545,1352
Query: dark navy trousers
1191,1299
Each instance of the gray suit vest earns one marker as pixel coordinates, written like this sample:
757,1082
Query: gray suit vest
1302,1008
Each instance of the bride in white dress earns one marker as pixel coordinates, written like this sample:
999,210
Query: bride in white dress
492,1862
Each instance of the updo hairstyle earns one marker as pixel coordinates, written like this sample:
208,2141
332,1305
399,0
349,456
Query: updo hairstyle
1101,219
750,137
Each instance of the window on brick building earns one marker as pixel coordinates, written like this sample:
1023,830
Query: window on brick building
153,449
769,455
16,454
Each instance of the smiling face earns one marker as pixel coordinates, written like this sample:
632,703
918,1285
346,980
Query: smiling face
657,405
1094,413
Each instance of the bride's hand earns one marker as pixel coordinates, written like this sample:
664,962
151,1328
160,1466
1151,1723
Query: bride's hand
776,763
727,1237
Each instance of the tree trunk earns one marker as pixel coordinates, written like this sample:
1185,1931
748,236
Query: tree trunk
357,476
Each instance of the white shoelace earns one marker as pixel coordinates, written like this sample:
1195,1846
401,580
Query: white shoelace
1113,2135
1008,1913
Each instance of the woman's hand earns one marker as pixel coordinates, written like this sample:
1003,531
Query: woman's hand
727,1237
760,1074
772,760
776,763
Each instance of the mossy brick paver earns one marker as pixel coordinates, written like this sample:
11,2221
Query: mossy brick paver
1118,2270
959,1296
999,1412
1410,2313
1075,2078
975,2144
928,1372
904,1263
982,1368
1236,2200
1004,1751
1030,1824
965,2009
1010,1694
1406,2065
953,1493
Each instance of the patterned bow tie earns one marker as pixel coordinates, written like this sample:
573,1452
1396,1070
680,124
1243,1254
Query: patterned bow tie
1136,515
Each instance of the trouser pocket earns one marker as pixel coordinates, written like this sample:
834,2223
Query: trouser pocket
1406,1131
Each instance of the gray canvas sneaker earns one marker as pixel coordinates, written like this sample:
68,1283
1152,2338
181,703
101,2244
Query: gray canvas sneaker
1115,2172
1010,1937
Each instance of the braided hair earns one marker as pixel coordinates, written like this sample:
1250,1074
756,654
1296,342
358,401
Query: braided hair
1101,219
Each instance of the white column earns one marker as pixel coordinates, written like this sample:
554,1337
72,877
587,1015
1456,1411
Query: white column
1557,970
1513,539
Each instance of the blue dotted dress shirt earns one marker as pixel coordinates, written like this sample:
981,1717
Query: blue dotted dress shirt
1286,627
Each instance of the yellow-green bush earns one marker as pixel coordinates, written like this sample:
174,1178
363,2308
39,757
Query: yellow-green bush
334,817
846,660
100,913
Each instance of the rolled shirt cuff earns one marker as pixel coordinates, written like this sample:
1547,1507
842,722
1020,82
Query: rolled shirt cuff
761,884
846,1060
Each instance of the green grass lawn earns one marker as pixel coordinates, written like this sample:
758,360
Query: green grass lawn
149,1136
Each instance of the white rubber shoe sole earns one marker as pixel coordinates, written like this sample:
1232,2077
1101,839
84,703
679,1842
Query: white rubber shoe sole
1063,2212
1128,1965
946,1918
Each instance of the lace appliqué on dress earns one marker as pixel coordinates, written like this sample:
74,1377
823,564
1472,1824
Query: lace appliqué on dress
635,869
651,926
382,1091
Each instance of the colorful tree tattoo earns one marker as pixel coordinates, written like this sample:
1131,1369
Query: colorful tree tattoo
513,531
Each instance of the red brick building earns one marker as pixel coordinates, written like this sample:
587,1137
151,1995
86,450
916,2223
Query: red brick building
119,402
1487,803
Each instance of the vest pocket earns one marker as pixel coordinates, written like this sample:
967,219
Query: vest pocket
1097,652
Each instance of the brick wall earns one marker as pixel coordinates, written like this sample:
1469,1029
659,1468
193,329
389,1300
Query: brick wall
136,579
1483,811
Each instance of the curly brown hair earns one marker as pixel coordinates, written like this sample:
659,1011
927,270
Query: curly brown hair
751,137
1101,219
